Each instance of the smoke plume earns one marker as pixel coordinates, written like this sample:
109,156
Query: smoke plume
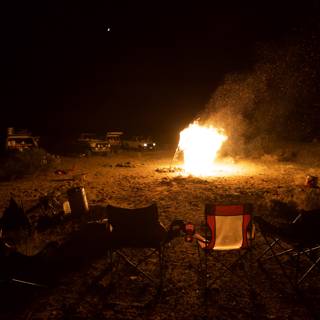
271,103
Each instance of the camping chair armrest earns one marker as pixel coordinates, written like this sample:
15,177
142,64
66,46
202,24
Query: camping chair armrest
200,238
202,242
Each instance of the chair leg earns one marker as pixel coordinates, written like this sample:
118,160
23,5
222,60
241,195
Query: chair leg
200,260
28,283
202,271
314,265
297,267
161,262
267,249
275,256
271,245
158,280
231,266
205,277
135,266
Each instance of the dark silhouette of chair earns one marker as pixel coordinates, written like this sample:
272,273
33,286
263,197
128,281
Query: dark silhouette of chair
14,219
295,247
21,269
229,229
138,228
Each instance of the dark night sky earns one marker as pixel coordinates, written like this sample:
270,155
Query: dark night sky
62,71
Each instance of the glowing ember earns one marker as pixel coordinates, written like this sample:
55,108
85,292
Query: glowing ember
200,146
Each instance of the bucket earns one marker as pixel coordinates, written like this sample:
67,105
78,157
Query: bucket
78,201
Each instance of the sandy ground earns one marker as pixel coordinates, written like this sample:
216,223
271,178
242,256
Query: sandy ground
138,179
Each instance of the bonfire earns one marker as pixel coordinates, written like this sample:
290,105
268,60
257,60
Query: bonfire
200,146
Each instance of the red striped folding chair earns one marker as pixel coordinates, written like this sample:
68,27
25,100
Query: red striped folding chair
229,228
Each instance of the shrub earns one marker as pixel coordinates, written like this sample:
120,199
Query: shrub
20,164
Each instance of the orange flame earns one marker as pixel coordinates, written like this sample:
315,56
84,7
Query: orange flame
200,145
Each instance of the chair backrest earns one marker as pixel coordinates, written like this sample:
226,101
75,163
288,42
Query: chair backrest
230,226
139,227
305,228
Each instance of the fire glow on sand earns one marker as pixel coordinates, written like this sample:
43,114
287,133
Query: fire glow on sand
200,146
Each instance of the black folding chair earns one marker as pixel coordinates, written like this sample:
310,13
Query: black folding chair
295,247
20,269
132,229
